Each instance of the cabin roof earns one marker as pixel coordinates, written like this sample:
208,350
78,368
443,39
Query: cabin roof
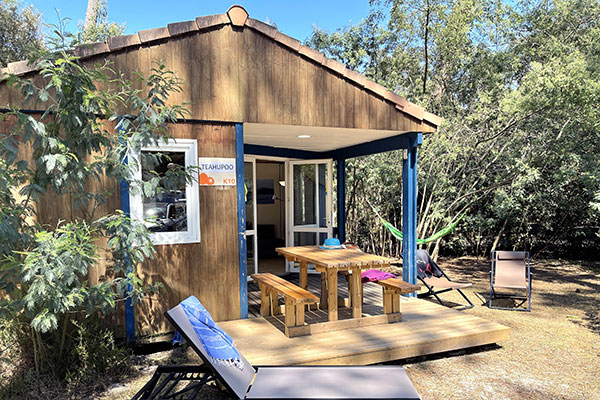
237,16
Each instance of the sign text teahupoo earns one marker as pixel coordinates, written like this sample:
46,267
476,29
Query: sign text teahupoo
217,171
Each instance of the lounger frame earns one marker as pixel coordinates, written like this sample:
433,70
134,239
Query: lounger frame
494,295
163,384
242,382
432,292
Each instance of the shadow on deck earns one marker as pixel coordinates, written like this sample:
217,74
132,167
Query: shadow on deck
426,328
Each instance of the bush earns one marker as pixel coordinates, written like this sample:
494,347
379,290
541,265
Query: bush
13,359
92,358
94,354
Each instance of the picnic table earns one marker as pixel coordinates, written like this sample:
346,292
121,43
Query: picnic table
331,261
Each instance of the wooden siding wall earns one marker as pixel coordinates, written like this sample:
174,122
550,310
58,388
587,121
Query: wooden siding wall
208,270
243,76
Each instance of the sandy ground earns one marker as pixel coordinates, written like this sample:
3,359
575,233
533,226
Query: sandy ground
553,353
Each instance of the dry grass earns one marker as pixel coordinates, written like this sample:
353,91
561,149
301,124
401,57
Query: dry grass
553,353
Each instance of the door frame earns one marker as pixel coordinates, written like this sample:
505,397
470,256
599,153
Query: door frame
254,231
289,209
254,158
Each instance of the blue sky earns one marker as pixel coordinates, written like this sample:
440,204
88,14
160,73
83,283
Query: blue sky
294,18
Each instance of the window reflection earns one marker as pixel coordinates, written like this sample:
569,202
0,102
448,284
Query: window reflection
166,212
304,195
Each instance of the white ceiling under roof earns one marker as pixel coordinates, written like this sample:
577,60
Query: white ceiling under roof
321,138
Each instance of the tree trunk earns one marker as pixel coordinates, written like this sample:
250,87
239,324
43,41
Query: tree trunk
497,239
426,57
91,15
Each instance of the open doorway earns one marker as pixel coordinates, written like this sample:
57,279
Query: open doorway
265,215
270,211
288,203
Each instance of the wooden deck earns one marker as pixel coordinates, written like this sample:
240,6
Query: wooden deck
426,328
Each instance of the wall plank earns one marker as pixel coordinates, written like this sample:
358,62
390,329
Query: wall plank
208,270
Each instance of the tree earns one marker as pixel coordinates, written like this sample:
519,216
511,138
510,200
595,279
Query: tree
96,27
91,14
20,32
81,138
518,89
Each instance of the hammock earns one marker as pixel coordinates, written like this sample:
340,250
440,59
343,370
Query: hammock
398,234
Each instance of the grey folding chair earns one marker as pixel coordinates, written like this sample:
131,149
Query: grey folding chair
510,270
436,281
269,382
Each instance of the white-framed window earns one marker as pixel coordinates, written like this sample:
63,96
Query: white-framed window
173,217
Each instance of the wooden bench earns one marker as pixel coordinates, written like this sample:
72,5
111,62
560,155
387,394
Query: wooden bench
392,289
295,299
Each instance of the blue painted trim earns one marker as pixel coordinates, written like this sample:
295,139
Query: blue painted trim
402,141
129,309
241,211
341,199
258,150
409,211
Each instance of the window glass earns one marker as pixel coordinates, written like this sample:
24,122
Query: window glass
249,191
323,195
305,212
305,238
172,216
166,212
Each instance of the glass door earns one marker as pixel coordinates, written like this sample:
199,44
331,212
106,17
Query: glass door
310,204
251,237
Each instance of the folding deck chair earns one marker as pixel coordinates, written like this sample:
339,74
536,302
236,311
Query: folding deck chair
249,382
510,270
434,278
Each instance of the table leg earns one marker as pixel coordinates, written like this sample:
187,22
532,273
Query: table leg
304,275
355,293
332,299
323,302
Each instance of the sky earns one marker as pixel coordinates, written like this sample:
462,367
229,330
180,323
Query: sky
294,18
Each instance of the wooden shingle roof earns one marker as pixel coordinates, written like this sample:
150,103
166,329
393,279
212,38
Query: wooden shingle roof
238,17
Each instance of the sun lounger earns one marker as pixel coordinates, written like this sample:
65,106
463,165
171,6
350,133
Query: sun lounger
435,279
248,382
510,270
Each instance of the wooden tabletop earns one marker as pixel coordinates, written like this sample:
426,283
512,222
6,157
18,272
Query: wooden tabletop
338,258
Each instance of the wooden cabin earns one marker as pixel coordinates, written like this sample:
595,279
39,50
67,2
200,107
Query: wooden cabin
271,121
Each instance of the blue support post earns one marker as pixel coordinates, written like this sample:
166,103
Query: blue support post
129,310
241,210
341,199
128,267
409,210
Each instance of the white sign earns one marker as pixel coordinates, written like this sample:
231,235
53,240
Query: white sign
217,171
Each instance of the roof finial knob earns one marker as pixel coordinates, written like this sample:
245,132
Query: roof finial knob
237,15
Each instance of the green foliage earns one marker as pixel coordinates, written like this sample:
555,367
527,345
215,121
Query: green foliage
82,138
94,353
50,271
20,32
102,29
517,85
